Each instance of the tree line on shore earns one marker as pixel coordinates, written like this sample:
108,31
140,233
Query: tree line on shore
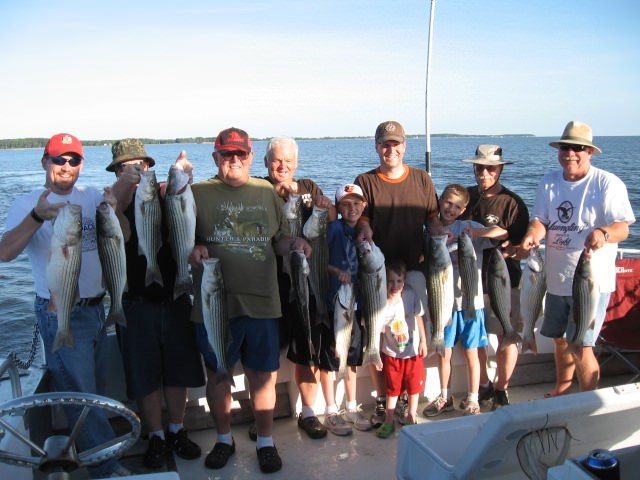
36,142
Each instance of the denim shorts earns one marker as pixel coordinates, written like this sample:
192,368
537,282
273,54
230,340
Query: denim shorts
558,311
255,342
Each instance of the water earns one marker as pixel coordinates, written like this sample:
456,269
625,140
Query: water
329,163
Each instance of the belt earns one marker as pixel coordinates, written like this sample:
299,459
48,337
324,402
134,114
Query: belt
132,297
83,302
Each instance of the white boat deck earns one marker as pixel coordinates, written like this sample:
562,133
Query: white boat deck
361,455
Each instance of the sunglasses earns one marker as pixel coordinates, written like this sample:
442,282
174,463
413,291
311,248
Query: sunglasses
575,148
228,155
60,161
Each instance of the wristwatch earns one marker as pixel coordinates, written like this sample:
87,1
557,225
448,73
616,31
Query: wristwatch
604,232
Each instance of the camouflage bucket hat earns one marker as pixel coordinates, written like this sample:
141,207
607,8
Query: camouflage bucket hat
128,149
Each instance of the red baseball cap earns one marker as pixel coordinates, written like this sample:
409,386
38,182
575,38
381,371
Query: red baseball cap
233,139
62,143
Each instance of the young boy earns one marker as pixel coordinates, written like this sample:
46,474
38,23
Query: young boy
403,346
469,331
343,269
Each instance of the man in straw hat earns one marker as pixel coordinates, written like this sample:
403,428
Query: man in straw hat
492,204
579,208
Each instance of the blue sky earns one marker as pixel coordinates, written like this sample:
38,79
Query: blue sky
163,69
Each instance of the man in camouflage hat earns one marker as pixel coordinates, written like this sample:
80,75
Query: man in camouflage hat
158,343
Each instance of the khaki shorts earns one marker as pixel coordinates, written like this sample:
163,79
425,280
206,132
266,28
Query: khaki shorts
491,322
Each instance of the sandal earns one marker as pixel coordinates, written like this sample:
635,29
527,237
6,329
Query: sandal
385,430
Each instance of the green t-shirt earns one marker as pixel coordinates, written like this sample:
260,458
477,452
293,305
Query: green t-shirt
238,225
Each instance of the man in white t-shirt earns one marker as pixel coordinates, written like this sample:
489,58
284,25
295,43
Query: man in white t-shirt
578,208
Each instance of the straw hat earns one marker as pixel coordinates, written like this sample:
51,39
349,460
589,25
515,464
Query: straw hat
576,133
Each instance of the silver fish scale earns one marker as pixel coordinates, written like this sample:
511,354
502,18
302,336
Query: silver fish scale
499,290
181,222
372,279
148,218
585,293
113,260
468,269
533,288
63,269
216,318
439,280
343,319
293,213
315,230
300,283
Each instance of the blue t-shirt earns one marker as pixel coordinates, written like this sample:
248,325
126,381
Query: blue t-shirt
342,254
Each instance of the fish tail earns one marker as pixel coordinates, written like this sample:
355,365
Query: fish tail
182,287
224,376
63,340
509,339
116,316
153,276
529,344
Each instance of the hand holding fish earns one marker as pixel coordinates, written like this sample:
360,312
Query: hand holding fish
184,164
364,231
284,189
197,256
109,198
299,244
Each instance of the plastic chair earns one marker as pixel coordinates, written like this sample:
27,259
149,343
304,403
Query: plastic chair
620,333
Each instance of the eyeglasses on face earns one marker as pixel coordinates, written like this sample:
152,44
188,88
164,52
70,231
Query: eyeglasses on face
575,148
229,154
478,167
60,161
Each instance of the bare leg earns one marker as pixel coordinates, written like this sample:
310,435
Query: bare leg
379,382
307,379
444,368
262,386
391,406
565,368
473,369
350,381
587,369
176,399
506,360
412,416
219,401
151,410
327,382
483,357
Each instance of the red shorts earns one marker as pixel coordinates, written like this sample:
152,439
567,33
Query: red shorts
403,374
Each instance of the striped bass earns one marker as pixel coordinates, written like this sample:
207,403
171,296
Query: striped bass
180,212
499,290
63,270
148,219
113,260
343,318
440,292
300,284
468,270
292,210
372,279
315,231
586,296
533,288
216,319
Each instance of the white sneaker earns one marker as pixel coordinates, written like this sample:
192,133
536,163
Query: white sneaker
358,420
336,425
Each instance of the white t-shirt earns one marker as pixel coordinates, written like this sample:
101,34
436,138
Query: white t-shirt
571,210
37,249
400,334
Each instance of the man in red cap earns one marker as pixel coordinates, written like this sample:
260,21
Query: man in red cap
240,221
81,368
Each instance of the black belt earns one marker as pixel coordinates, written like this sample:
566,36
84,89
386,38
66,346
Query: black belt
83,302
132,297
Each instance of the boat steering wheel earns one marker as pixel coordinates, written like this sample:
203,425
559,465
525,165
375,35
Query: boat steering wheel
58,453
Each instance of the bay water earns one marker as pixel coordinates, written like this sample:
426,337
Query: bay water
329,162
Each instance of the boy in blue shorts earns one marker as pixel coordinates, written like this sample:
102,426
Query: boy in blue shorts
464,328
343,271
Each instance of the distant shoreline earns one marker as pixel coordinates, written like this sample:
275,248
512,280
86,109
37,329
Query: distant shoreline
36,142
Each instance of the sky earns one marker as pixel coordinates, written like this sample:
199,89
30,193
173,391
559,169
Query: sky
168,69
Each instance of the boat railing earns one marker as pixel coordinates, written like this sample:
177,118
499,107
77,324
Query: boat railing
9,366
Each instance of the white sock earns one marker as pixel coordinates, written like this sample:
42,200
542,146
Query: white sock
473,397
264,442
445,393
175,427
157,433
352,406
225,438
329,410
307,412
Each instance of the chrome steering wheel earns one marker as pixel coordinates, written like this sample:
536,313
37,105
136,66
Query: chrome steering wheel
58,452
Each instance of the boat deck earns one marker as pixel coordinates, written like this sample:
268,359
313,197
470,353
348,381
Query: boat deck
361,455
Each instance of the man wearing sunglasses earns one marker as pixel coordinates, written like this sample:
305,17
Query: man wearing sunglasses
493,204
79,368
240,221
579,208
